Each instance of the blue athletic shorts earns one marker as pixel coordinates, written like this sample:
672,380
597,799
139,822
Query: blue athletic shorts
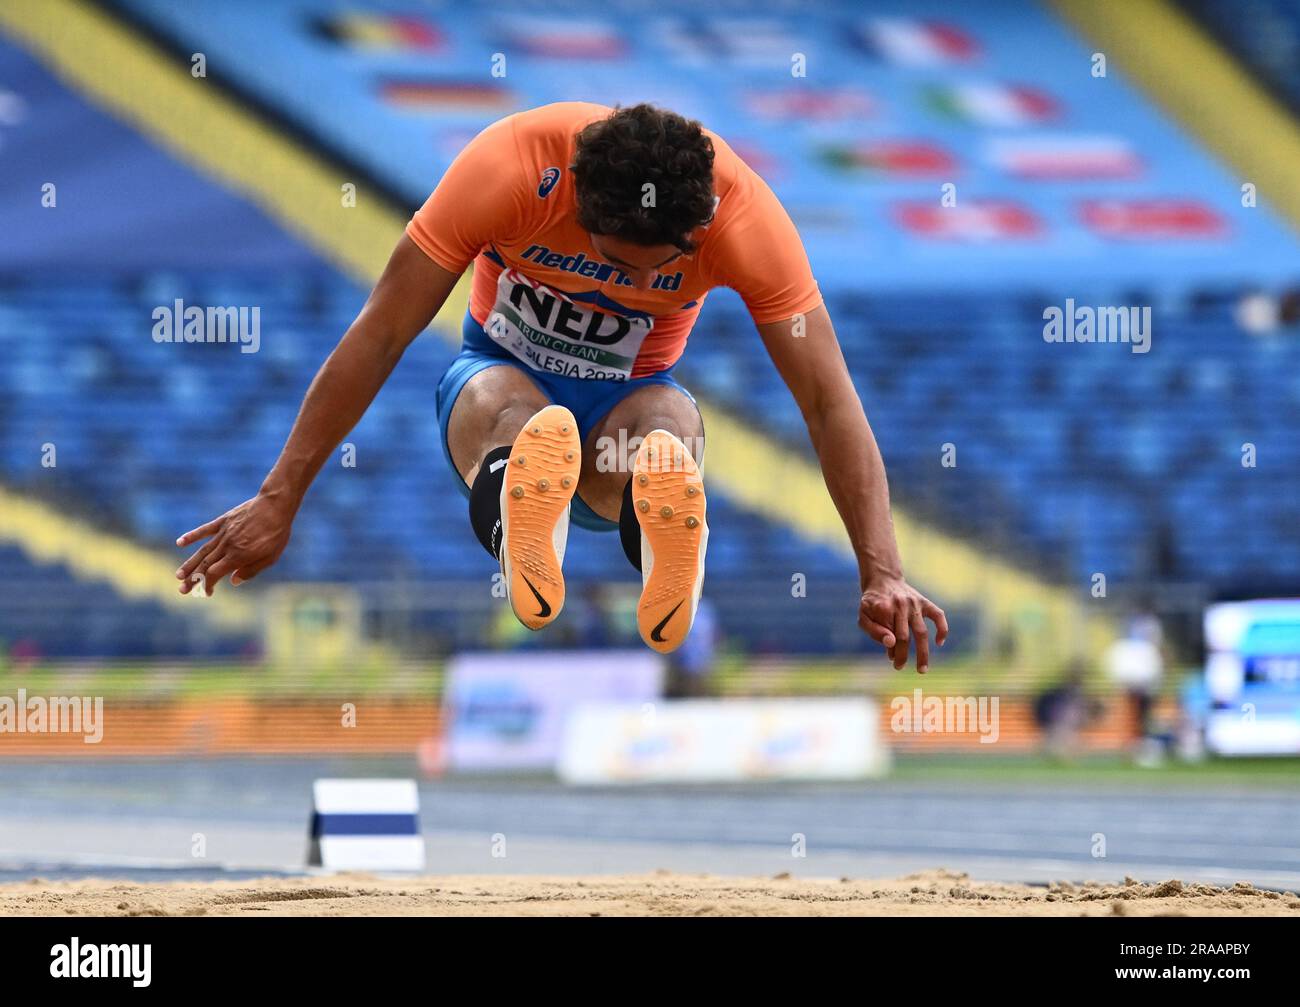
589,401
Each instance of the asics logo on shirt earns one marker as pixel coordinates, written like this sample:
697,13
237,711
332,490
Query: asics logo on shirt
549,177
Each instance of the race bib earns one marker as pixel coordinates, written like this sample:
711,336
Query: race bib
550,332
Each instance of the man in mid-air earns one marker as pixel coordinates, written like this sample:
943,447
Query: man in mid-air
595,235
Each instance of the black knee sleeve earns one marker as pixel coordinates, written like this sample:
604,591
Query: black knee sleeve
485,499
629,529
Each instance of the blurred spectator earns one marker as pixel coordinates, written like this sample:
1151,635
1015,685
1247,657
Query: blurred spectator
25,654
1289,308
1258,313
1262,313
593,624
1136,664
1063,711
690,666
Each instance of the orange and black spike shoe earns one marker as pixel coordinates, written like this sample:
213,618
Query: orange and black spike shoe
668,493
540,481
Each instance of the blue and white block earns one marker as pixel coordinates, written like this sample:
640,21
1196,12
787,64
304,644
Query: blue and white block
366,825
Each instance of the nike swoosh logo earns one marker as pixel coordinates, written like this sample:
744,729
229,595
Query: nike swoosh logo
546,608
654,633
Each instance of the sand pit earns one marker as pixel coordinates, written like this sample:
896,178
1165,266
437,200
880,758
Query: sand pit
933,893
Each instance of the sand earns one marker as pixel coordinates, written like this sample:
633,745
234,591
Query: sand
933,893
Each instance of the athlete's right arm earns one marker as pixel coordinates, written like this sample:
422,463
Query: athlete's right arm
250,537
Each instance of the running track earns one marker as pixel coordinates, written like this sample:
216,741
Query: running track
139,819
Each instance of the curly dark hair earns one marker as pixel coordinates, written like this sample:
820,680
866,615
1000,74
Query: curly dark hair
615,159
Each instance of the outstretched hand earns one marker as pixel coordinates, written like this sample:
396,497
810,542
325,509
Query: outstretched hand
893,613
242,542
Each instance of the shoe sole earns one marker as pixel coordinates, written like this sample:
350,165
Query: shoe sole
540,481
668,493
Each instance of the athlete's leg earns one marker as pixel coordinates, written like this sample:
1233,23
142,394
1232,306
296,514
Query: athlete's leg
489,412
519,454
640,463
611,445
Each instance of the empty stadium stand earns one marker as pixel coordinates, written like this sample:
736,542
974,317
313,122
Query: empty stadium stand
1265,34
1072,459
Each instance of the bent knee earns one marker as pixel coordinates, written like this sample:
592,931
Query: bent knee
490,411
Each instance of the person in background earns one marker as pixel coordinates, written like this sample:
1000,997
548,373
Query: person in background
691,666
594,628
1062,711
1136,663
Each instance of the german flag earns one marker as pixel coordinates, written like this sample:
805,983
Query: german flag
446,96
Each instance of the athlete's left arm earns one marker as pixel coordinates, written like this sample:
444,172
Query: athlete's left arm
809,359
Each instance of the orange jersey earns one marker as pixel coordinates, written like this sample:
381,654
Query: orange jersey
507,203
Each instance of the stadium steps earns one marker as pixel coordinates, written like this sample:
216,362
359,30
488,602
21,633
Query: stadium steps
54,567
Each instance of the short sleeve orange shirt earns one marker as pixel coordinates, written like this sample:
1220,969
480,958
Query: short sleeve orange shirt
507,202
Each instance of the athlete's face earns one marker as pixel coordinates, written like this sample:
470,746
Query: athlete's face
639,263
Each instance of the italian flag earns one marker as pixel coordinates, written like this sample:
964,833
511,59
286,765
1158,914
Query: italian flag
912,42
993,104
898,157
